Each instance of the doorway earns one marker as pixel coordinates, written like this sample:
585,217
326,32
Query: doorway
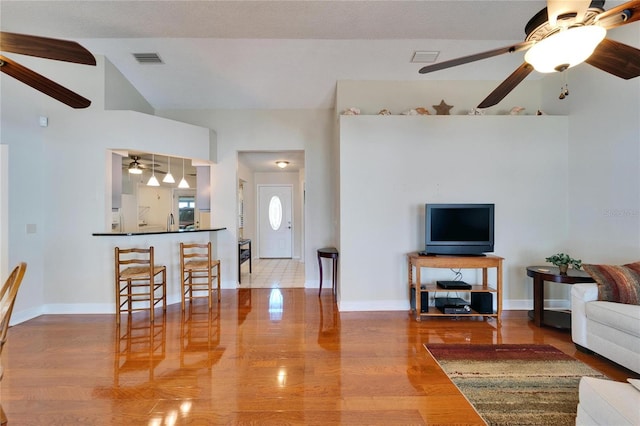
275,225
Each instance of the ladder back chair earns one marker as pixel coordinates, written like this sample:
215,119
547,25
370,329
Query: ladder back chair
7,298
197,268
138,287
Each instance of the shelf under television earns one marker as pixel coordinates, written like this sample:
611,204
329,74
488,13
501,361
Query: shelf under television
435,312
475,288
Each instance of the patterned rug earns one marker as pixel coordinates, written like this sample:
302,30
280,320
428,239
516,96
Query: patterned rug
515,384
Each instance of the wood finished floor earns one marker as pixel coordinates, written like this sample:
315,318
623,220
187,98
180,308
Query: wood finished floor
262,356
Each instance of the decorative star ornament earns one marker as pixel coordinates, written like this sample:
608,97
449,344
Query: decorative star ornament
443,108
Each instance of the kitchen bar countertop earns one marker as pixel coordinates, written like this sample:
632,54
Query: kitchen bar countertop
179,231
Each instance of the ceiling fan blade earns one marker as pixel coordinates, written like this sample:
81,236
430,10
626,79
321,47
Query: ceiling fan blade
557,8
619,15
616,58
507,86
43,84
43,47
476,57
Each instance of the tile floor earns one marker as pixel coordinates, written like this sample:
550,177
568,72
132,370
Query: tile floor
273,273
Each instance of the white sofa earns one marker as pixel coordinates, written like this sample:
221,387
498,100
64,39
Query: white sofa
605,402
609,329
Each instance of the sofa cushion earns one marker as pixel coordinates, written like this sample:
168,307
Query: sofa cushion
609,403
617,283
617,316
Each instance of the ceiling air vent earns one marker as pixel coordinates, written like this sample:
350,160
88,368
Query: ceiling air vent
424,57
147,58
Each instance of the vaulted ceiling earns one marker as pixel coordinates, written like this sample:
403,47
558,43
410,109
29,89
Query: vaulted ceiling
277,54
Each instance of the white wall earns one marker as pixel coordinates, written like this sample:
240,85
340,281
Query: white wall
604,162
265,130
60,190
518,163
119,93
249,192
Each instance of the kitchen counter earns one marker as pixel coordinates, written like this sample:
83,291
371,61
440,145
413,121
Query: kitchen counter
179,231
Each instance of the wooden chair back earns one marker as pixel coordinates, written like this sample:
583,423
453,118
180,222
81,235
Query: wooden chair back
7,299
134,263
196,256
8,295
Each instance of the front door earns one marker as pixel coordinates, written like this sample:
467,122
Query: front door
274,221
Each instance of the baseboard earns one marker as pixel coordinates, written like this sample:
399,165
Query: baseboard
527,304
374,305
18,317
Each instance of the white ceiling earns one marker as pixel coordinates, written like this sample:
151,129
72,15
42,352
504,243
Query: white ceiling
277,54
265,161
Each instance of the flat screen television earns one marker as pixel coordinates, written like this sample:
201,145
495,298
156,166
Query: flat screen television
459,229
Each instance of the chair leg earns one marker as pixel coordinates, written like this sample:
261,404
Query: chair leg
152,295
182,289
3,416
164,290
209,286
219,282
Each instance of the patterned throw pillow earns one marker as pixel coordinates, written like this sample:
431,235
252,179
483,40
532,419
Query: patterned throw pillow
617,283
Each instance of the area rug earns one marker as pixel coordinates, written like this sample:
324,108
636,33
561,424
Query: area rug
515,384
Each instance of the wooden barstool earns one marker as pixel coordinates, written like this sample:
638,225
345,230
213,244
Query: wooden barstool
197,272
137,288
329,253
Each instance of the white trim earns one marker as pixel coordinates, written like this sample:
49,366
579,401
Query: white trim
374,305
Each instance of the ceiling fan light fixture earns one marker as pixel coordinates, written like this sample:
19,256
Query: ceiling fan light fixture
565,49
282,164
134,168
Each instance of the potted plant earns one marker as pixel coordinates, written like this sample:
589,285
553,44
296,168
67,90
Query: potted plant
563,261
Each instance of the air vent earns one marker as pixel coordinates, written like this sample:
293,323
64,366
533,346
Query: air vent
424,57
148,58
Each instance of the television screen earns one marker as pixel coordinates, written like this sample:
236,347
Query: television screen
460,229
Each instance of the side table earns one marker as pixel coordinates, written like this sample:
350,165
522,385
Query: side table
540,274
329,253
244,254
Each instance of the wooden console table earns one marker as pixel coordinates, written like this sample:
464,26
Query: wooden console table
540,274
244,254
463,262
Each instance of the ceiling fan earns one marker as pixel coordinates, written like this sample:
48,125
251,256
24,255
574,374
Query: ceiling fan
136,167
48,48
560,36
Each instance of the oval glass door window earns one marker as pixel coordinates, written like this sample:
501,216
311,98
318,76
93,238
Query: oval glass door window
275,212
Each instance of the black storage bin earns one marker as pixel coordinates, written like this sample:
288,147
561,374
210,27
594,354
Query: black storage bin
424,300
482,303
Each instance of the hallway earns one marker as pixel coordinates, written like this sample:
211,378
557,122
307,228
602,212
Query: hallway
273,273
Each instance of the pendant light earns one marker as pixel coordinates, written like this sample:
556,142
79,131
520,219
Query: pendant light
168,178
183,183
152,180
